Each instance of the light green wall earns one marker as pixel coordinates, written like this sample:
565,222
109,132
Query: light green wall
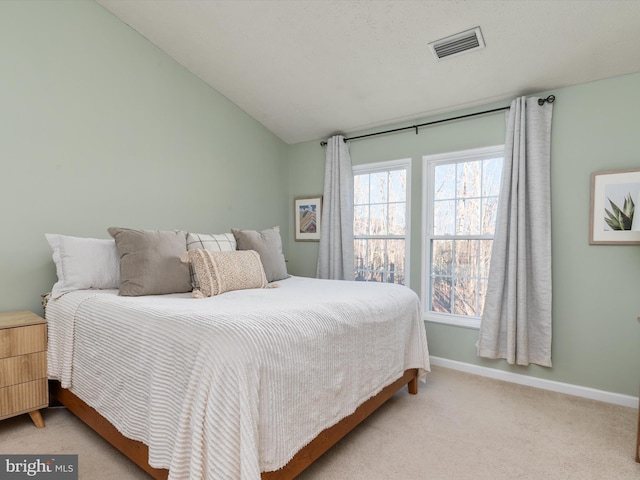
596,300
99,128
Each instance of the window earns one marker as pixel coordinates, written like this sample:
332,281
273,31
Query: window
462,190
380,226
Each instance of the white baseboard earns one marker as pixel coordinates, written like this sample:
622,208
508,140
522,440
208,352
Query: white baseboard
569,389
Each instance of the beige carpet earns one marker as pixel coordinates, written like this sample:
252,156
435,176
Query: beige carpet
458,427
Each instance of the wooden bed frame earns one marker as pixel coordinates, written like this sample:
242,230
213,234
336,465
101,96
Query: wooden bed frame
138,452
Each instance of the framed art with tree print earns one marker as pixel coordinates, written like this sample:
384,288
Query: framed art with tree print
615,213
308,218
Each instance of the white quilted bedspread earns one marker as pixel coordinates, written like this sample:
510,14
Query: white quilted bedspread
229,386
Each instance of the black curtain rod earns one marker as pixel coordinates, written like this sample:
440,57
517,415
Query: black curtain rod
541,101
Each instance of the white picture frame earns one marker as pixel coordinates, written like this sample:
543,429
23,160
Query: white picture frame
307,214
610,191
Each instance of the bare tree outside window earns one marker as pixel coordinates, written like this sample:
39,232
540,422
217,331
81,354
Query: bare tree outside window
380,225
462,208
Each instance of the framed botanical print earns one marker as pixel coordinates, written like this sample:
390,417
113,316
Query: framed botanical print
615,213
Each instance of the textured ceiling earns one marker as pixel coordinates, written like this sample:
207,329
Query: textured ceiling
308,69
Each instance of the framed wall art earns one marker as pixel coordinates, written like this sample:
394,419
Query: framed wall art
615,213
308,218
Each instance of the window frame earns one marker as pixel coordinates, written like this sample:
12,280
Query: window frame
386,166
429,162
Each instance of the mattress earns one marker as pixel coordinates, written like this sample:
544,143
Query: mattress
236,384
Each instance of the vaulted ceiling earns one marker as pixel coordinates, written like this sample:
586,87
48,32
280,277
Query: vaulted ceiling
307,69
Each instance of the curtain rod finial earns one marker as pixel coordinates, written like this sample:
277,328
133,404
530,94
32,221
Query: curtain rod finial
549,99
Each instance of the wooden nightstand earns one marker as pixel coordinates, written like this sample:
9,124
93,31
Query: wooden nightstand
23,365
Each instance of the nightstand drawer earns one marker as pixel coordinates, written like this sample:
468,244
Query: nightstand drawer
23,398
23,368
21,340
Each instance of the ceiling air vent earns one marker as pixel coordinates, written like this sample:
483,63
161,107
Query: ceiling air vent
459,43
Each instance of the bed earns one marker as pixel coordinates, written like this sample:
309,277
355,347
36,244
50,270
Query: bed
249,384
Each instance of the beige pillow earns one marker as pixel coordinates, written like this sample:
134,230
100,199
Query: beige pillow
268,244
150,261
214,242
219,272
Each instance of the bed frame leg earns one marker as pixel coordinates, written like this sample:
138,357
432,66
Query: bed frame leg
412,386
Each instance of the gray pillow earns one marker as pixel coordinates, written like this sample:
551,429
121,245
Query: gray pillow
268,244
150,261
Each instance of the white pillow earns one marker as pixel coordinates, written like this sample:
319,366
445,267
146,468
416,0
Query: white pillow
84,263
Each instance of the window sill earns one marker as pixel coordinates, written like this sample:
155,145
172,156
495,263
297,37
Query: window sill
453,320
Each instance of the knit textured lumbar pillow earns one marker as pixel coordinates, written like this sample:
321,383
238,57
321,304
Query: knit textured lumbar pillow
214,242
219,272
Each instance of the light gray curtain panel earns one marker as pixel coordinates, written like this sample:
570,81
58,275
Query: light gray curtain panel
516,322
335,259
